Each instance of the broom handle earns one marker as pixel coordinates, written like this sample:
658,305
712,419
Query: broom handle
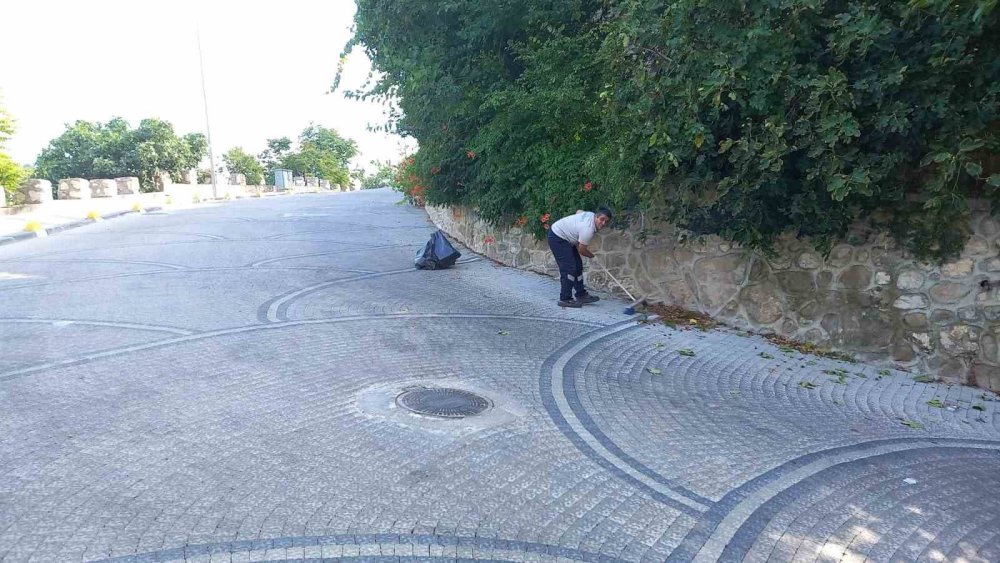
615,280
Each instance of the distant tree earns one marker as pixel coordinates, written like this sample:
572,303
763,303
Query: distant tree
107,150
383,177
159,148
322,153
11,173
272,155
239,161
197,149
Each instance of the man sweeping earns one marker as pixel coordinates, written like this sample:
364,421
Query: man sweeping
569,238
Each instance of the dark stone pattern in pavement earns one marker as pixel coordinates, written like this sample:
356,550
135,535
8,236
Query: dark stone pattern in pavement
218,383
866,510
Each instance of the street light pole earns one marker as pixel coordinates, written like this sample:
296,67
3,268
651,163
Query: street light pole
208,128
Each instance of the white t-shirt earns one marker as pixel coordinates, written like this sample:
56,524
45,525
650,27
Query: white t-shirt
577,229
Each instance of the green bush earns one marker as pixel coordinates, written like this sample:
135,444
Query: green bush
742,119
11,173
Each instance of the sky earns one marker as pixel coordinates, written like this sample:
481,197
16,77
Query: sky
268,70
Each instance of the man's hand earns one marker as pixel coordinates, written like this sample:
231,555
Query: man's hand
584,251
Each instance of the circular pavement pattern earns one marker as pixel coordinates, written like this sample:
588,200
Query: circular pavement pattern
223,383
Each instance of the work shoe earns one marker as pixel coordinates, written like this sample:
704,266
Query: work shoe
588,298
570,303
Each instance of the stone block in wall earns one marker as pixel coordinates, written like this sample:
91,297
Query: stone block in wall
325,184
910,301
971,313
958,268
127,185
923,340
858,328
809,261
976,246
947,292
986,376
943,316
189,176
103,188
719,278
915,320
989,226
953,369
796,281
824,279
856,277
298,181
74,188
35,190
162,181
779,262
762,303
237,179
679,291
658,262
809,310
960,340
840,256
988,348
312,181
909,280
902,351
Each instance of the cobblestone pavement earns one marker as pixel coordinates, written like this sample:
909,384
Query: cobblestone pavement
219,384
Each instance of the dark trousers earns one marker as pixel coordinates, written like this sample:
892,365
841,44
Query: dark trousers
570,267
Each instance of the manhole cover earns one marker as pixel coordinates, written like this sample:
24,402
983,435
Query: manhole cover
443,402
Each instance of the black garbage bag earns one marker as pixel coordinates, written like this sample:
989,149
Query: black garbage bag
437,254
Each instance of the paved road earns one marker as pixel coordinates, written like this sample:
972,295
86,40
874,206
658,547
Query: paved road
220,383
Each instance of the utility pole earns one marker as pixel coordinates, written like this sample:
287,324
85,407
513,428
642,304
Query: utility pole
208,128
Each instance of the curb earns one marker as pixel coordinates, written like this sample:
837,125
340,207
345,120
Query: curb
17,237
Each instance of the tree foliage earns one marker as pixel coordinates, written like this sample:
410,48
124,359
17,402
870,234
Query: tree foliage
271,157
11,173
384,176
743,119
239,161
322,153
113,149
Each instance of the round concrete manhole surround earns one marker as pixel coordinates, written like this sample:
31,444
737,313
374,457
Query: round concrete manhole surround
443,402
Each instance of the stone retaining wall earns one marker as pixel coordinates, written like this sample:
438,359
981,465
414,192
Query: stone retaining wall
867,298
